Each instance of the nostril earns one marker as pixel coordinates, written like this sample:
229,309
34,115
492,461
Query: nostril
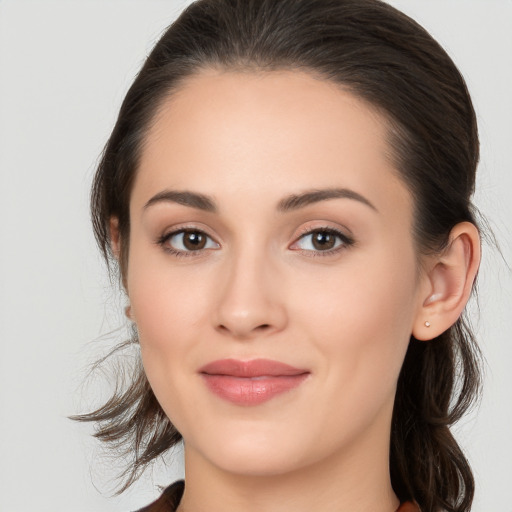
244,332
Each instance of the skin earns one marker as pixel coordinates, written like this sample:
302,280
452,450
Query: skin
260,288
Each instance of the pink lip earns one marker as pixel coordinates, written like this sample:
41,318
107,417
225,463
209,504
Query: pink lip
251,382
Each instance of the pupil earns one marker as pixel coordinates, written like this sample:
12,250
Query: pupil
194,241
323,240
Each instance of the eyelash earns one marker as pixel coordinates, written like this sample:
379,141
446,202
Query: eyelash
346,242
162,241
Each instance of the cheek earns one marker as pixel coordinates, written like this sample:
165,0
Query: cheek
166,311
361,318
168,308
168,316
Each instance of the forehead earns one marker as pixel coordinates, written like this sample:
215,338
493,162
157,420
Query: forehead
224,133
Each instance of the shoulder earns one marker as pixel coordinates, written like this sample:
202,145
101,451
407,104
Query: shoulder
169,500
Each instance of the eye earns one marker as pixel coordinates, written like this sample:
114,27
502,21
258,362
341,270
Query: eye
322,240
187,240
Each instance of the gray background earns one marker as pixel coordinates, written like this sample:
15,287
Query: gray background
64,68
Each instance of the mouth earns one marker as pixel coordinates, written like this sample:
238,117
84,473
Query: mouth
251,382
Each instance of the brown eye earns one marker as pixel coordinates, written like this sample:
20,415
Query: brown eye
188,240
323,240
194,240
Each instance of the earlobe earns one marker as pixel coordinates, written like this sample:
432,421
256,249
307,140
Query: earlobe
448,283
114,237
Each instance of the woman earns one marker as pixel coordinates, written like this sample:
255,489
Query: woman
286,193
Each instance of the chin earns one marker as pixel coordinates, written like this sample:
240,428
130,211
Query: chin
261,450
254,461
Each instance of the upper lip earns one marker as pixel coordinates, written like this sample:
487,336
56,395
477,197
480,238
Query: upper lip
252,368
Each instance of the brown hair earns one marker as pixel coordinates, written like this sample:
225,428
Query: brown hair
387,59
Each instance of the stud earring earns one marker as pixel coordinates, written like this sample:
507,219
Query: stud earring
427,324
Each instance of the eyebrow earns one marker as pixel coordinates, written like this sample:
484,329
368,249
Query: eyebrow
290,203
297,201
192,199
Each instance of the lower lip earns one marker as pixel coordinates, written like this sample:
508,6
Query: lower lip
251,391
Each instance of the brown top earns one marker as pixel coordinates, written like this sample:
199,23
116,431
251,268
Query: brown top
170,499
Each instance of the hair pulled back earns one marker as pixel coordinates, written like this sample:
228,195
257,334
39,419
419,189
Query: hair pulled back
388,60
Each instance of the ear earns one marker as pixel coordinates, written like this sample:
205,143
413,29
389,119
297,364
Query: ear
448,282
114,237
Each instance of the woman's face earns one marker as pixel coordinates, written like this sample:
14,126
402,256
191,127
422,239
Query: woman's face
268,223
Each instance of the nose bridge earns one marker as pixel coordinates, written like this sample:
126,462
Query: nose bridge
249,301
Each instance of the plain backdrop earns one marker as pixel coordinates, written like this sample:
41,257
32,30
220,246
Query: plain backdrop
64,68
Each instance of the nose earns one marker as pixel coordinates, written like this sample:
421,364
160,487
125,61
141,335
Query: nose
251,299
